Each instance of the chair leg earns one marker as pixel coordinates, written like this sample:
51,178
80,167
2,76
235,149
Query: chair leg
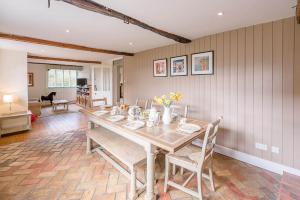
174,170
132,184
167,165
199,181
181,171
88,145
211,178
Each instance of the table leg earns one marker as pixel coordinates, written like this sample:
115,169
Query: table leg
91,125
150,172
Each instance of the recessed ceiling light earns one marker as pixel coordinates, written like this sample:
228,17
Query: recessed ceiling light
131,43
220,13
67,31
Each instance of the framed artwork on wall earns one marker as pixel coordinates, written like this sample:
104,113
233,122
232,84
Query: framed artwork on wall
202,63
178,66
30,79
160,68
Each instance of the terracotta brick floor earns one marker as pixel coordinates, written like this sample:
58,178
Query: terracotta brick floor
50,162
289,187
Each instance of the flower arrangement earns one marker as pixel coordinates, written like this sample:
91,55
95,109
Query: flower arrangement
168,100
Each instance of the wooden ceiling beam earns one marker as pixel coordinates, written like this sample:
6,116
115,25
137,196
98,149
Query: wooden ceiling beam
63,59
60,44
298,12
101,9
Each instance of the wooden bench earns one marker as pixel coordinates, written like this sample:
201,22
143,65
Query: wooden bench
126,151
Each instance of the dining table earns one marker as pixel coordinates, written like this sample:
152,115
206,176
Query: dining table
162,136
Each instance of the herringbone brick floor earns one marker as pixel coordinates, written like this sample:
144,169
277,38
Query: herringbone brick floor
51,163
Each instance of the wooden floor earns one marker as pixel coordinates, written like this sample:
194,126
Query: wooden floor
49,162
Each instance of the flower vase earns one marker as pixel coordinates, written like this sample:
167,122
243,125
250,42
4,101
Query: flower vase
167,116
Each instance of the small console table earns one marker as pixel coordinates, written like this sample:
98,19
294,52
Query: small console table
14,122
56,103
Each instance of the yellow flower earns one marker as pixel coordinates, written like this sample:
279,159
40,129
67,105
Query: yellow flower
178,96
158,100
167,102
172,96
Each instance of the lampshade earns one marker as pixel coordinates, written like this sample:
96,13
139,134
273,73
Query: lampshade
7,98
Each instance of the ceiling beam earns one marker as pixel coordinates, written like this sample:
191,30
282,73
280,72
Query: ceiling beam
60,44
99,8
63,59
298,12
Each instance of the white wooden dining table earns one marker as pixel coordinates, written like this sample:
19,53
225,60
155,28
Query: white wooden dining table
165,137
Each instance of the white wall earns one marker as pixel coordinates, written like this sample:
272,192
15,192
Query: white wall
40,83
13,78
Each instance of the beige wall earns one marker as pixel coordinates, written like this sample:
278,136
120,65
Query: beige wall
255,87
13,78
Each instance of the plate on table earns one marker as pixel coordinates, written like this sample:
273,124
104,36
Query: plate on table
189,128
100,112
115,118
134,125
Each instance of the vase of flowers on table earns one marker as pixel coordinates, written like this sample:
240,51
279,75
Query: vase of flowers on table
167,101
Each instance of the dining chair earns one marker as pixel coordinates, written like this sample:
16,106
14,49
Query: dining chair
143,103
195,159
104,100
177,109
180,110
156,105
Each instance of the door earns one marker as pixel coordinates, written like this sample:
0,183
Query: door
102,82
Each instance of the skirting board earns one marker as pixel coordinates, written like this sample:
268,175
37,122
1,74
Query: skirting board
253,160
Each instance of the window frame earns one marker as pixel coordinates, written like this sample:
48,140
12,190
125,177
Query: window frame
63,72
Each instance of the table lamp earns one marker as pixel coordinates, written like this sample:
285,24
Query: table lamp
7,98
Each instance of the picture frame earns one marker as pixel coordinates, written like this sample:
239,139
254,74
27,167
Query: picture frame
30,79
178,66
202,63
160,68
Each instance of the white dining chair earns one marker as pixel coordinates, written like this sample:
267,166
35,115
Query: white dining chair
180,109
177,109
143,103
195,159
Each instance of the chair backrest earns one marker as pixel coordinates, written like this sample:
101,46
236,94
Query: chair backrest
209,141
180,109
176,109
142,103
156,105
104,100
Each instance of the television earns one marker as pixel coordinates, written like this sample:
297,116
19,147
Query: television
81,82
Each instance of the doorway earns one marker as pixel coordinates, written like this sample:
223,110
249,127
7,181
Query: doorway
119,80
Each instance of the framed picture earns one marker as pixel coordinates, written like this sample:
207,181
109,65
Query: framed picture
30,79
160,68
202,63
178,66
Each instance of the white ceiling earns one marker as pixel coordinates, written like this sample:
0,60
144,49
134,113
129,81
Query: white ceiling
188,18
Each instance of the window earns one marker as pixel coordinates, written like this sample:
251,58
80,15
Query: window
62,78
